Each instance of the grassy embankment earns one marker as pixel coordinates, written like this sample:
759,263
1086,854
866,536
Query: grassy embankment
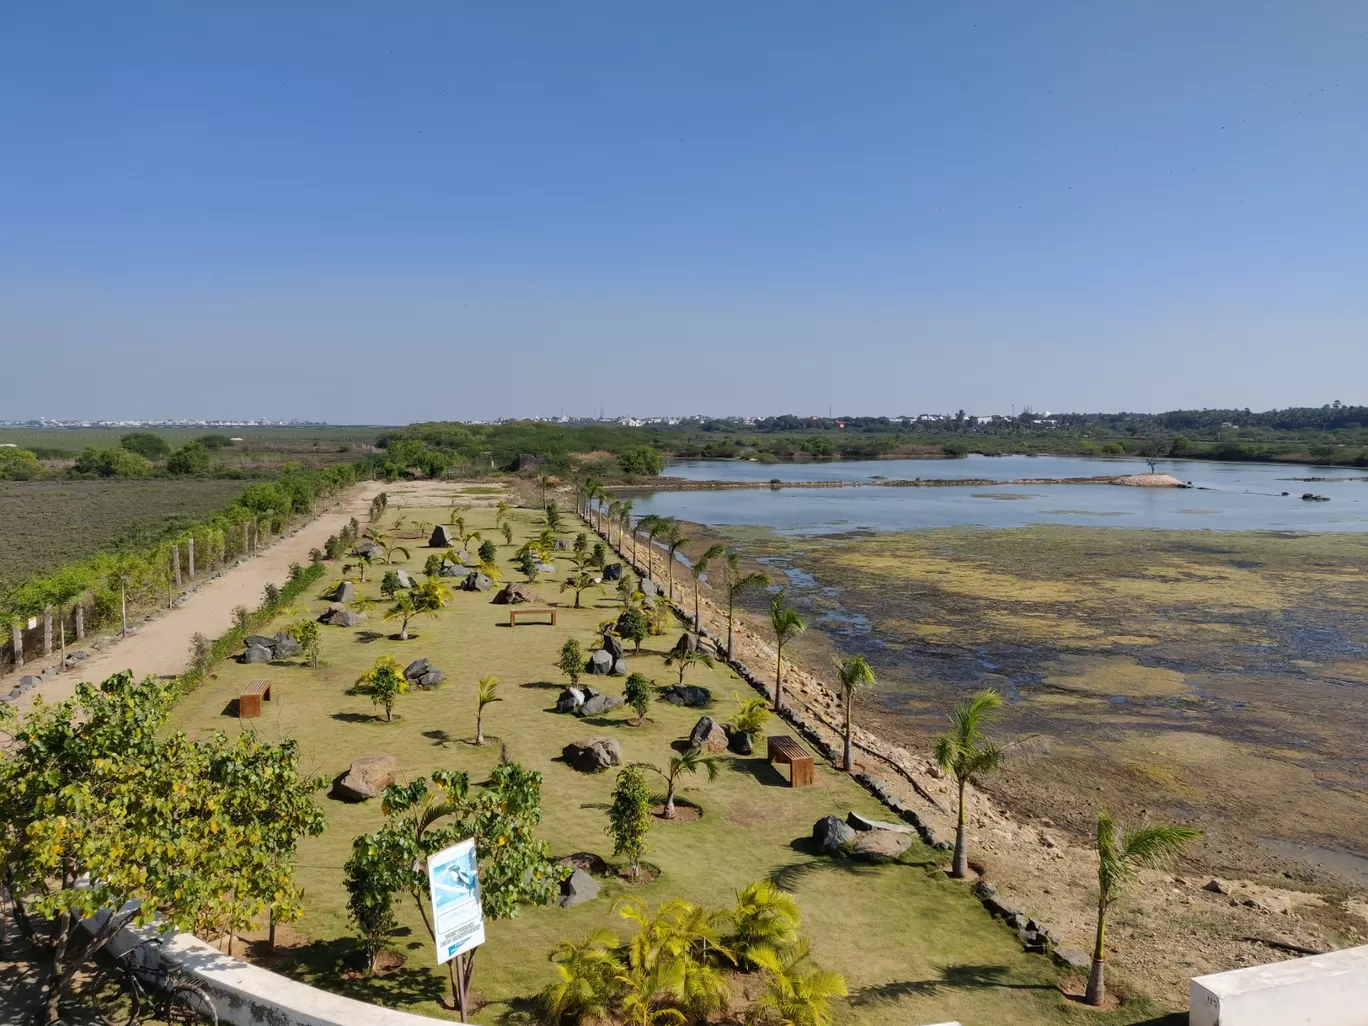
914,947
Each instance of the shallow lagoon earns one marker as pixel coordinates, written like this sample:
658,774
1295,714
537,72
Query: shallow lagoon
1225,496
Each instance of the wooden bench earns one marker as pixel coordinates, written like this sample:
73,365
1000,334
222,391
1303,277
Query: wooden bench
249,702
782,748
513,614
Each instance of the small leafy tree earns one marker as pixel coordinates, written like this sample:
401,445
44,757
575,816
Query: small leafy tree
486,693
372,881
629,816
787,625
433,566
571,660
966,752
506,529
599,556
389,584
271,595
637,692
633,626
750,717
242,618
200,647
1120,855
855,673
488,552
580,545
309,635
687,659
384,683
530,565
690,762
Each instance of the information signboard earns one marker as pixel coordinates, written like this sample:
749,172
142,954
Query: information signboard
457,915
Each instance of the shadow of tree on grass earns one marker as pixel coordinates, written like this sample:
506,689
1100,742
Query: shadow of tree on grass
959,977
334,966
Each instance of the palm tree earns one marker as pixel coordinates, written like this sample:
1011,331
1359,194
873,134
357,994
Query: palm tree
579,583
689,762
363,561
1120,855
967,753
684,660
787,625
625,507
501,509
588,973
797,997
736,585
765,916
855,673
487,693
614,517
388,543
674,540
697,571
652,525
590,488
673,955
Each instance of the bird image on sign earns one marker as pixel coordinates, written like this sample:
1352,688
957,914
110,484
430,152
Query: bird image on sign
457,914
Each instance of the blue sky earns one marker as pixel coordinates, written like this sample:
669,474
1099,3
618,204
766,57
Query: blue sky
384,213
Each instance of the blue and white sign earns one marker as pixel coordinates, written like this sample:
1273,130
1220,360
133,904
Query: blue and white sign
457,915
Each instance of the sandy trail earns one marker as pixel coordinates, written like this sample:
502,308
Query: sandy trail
161,646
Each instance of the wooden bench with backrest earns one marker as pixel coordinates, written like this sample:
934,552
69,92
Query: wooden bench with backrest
513,614
782,748
249,702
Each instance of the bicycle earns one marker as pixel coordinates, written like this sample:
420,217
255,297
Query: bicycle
133,989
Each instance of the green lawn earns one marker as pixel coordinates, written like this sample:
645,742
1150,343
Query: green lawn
914,946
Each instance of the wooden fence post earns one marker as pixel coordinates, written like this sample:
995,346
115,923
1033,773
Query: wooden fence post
47,631
190,557
175,563
244,540
80,622
17,639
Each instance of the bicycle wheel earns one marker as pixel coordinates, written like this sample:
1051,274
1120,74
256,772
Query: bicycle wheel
114,997
190,1006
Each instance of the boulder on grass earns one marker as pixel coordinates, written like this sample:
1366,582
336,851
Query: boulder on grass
368,548
430,679
463,557
476,581
830,834
601,662
405,578
512,594
592,754
259,640
285,646
739,743
346,591
620,668
561,545
417,668
686,644
367,777
708,736
346,618
570,700
257,654
648,587
599,704
689,695
880,845
577,888
612,572
612,643
450,569
441,537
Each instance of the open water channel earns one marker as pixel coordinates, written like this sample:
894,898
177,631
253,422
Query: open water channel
1224,496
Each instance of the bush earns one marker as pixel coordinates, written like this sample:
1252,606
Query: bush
633,627
214,441
571,660
19,465
145,444
488,551
272,596
637,692
111,463
629,815
641,460
751,716
191,458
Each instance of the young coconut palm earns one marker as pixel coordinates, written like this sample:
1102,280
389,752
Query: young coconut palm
674,540
765,916
579,583
698,571
736,585
787,625
855,674
625,507
967,752
689,762
588,984
797,996
1120,854
403,610
653,526
486,694
684,660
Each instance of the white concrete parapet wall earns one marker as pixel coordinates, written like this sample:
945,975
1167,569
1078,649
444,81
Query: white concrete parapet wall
1321,990
247,995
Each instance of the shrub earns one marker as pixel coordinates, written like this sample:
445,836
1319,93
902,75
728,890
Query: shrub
488,551
110,463
384,683
629,816
389,584
145,444
272,596
191,458
242,619
751,716
332,548
571,660
633,626
637,692
215,441
642,460
19,465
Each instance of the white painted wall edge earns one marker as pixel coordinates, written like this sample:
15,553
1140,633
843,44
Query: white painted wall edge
247,995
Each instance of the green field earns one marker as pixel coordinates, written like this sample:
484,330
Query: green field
914,946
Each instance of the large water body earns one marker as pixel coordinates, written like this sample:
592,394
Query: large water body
1225,496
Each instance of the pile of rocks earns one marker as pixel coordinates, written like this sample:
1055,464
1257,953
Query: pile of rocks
586,701
612,572
367,777
26,683
422,674
872,840
692,696
263,649
338,615
714,738
515,594
593,754
450,569
608,659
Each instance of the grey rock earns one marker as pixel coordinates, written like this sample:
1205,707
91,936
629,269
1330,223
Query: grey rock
257,654
983,890
286,646
708,736
612,572
346,618
601,662
613,644
1001,907
450,569
463,557
431,679
476,581
29,681
592,754
577,888
880,845
570,699
562,545
512,594
739,743
648,588
441,537
405,579
367,777
79,655
687,643
620,668
600,704
1071,958
368,548
830,834
346,591
689,695
859,822
417,668
260,640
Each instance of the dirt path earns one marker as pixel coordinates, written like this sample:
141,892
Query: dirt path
161,646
